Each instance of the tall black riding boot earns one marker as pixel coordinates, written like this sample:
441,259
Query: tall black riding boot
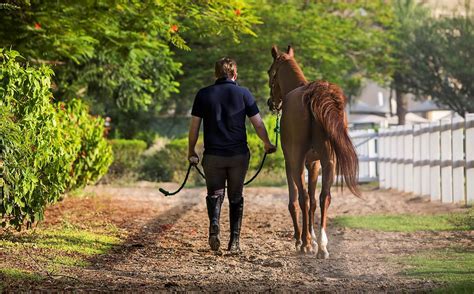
214,205
236,212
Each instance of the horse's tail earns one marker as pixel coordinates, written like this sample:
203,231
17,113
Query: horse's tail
327,102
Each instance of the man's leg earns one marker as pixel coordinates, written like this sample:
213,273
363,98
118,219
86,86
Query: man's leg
235,181
215,182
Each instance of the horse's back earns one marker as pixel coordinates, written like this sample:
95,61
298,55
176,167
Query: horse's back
299,125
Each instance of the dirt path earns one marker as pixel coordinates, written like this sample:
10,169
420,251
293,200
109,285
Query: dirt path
167,249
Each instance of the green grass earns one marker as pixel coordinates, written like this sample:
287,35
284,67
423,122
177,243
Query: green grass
67,245
453,266
19,275
76,241
69,261
408,223
65,239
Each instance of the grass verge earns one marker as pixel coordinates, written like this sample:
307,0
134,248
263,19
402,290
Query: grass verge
51,250
454,266
409,223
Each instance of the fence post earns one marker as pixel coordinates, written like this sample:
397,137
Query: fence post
425,159
408,160
372,154
458,159
417,160
401,158
388,159
469,158
446,162
381,157
393,158
435,158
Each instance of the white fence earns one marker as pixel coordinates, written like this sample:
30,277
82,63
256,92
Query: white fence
434,160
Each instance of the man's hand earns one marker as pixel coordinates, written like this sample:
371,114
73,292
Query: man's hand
193,158
270,148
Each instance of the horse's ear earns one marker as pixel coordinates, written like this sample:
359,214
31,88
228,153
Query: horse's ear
290,51
275,51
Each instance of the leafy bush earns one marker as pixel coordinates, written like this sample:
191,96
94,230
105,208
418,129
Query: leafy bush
44,152
170,163
274,162
84,133
127,157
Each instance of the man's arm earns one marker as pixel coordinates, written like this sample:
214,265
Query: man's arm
259,126
193,138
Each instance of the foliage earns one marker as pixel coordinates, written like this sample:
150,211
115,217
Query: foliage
334,40
409,15
170,163
127,156
441,64
36,166
115,54
44,152
85,134
274,162
408,223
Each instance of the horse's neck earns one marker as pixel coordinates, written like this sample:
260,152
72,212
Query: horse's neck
292,77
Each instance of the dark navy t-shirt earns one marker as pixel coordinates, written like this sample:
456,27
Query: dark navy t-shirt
223,107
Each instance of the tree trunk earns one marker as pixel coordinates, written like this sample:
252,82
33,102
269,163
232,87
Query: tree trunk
402,102
400,97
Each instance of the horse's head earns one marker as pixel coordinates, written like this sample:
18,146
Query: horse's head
276,96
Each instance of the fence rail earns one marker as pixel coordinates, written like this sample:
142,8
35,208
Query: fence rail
432,159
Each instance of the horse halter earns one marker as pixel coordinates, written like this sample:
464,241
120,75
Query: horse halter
272,104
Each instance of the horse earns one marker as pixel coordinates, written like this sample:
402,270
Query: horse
313,134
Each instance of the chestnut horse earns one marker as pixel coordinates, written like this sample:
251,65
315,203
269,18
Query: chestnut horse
313,133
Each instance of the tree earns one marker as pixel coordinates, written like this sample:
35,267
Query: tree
409,15
115,54
341,42
441,62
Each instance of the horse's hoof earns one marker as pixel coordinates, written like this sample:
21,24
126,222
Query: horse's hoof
307,249
315,246
322,254
298,244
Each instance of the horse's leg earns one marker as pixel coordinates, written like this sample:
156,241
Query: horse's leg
297,173
292,206
313,171
324,202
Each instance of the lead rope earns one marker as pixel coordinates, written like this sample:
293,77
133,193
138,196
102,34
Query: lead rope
276,130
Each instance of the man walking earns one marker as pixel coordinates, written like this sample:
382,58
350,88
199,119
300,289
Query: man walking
223,108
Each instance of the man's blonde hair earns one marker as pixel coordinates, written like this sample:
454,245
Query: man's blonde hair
225,68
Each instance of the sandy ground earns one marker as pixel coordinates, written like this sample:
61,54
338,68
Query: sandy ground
166,247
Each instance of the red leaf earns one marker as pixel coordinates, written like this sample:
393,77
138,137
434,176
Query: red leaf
237,12
37,26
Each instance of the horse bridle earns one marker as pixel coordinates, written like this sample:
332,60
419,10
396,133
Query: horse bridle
271,101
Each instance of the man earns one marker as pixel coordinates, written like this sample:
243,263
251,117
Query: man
223,108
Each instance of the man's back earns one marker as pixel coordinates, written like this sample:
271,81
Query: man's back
223,107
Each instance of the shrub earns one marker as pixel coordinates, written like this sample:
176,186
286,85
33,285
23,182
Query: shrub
44,152
127,157
84,134
274,162
170,163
